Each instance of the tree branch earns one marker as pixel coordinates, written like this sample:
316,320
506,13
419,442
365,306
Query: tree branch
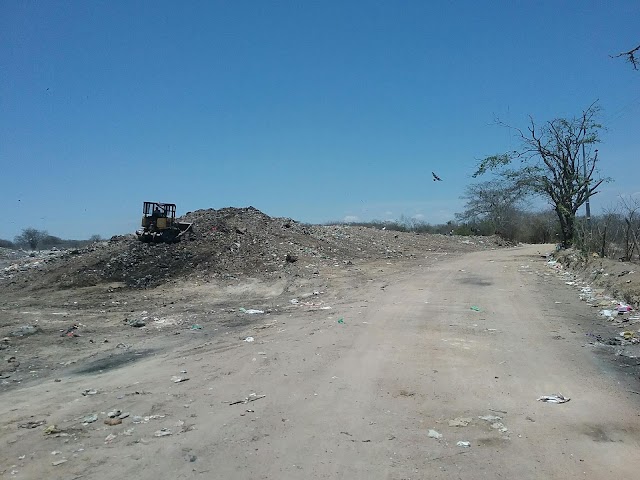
631,58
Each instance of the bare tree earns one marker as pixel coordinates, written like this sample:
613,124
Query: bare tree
550,164
31,237
630,56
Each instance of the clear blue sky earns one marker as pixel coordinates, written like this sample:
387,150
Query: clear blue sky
313,110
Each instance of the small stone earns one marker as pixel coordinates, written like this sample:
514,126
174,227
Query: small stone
124,415
112,422
434,434
59,462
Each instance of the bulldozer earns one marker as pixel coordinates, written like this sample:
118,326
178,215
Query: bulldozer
159,224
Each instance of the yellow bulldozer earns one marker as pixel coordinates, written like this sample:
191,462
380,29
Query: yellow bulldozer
159,224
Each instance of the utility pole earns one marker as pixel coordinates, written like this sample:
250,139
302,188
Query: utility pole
584,169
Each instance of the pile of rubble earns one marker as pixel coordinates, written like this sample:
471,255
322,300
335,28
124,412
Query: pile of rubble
227,244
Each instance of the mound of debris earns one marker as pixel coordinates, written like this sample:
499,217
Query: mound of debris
227,244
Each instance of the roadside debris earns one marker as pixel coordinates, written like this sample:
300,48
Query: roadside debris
112,422
137,322
89,391
475,309
341,321
251,398
110,438
460,422
196,327
463,444
26,330
71,331
490,418
59,462
176,379
51,430
163,432
434,434
90,418
32,424
249,339
251,311
555,398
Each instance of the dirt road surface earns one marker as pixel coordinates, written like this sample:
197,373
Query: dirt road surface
353,391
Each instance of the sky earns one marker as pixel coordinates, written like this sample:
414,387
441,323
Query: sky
318,111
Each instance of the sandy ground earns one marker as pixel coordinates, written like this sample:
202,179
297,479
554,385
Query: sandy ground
347,392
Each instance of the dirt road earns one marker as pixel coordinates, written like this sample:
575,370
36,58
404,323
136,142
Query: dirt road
353,391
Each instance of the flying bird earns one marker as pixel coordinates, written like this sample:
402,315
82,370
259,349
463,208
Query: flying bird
436,178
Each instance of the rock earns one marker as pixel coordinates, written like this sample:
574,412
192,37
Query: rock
434,434
112,422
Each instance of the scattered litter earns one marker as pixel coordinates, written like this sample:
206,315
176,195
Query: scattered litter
628,335
249,339
128,432
25,330
163,432
89,391
490,418
623,308
251,398
556,398
137,322
499,426
124,415
110,438
196,327
607,313
51,430
475,309
114,413
460,422
294,301
251,311
71,331
137,419
434,434
341,321
464,444
176,379
31,424
59,462
90,418
112,422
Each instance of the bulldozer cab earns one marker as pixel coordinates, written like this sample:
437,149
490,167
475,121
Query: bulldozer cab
158,216
159,223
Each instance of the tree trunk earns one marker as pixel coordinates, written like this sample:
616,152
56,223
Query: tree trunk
567,226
